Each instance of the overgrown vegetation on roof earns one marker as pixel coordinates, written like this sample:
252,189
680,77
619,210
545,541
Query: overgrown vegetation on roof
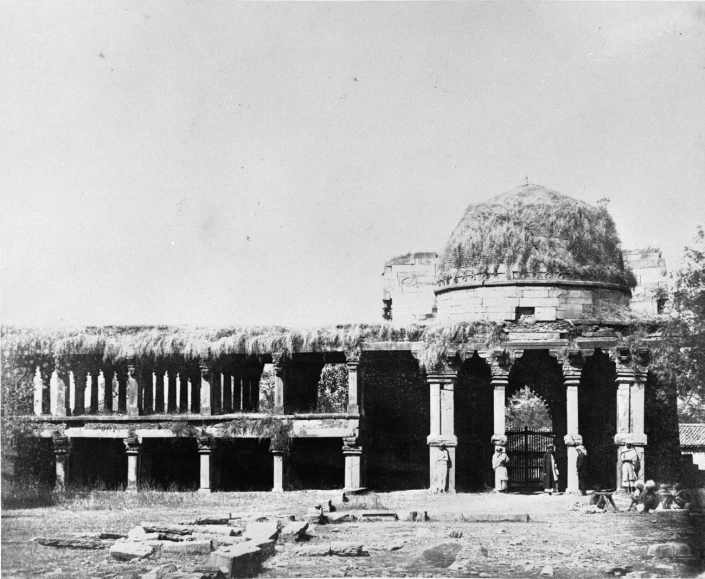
532,229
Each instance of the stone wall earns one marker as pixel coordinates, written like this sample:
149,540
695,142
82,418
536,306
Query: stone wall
495,302
649,268
409,281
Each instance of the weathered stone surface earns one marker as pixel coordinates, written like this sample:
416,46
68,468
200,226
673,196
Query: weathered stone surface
547,570
669,550
82,543
314,550
187,547
317,519
266,530
129,550
111,536
209,572
150,527
378,515
265,545
340,517
345,549
406,515
442,555
481,553
294,531
159,572
243,560
493,518
396,545
219,530
218,519
140,534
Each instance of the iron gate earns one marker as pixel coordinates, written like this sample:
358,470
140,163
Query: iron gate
525,449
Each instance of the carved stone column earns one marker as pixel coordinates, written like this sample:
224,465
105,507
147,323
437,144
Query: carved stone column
572,366
352,360
206,386
631,379
279,456
205,448
61,456
500,365
442,441
354,472
60,394
132,449
279,383
133,387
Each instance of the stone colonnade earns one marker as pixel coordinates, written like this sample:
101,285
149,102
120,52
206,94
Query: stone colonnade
630,409
207,446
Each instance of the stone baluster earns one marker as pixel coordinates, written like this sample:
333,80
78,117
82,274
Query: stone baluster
206,386
355,394
279,383
205,448
132,390
132,449
279,458
61,456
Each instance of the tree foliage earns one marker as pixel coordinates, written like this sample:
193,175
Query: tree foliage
526,409
680,358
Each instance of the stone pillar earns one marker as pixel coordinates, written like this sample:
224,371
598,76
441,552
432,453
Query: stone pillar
46,370
352,360
132,448
60,403
279,384
205,448
500,380
206,386
442,441
279,470
352,451
132,394
572,370
61,456
631,378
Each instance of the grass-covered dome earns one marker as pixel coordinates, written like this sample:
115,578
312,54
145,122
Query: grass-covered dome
535,229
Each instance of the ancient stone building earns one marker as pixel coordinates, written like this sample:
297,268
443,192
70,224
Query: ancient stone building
533,289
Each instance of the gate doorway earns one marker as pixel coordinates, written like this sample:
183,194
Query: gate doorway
525,449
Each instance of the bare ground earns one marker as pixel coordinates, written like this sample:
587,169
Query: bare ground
574,545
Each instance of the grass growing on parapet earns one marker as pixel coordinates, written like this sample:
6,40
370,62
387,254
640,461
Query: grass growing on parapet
533,229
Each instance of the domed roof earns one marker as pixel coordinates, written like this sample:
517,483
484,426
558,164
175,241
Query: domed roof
535,229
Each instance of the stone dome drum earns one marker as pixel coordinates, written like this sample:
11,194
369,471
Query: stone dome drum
534,252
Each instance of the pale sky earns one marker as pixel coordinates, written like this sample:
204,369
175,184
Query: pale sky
218,163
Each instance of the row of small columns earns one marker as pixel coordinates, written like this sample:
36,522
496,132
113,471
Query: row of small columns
631,376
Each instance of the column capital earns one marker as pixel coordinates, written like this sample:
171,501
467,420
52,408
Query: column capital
351,445
442,440
352,357
205,365
61,444
132,445
573,440
499,439
205,444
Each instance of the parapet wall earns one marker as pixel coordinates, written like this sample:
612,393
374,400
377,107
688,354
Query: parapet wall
409,281
499,301
649,268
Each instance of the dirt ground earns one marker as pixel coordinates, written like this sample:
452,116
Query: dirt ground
574,545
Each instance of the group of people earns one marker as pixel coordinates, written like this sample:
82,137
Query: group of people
646,498
500,460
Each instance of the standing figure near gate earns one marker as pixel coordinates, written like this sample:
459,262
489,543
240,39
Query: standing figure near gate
499,463
550,471
582,465
443,465
630,467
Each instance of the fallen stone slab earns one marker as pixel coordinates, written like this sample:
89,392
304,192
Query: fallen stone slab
490,518
346,549
407,515
672,550
243,560
314,550
111,536
187,547
442,555
139,534
265,545
128,550
150,527
547,571
218,540
78,543
294,531
219,530
219,519
378,515
159,572
266,530
339,517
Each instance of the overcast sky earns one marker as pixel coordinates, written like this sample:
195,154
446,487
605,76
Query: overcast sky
227,163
